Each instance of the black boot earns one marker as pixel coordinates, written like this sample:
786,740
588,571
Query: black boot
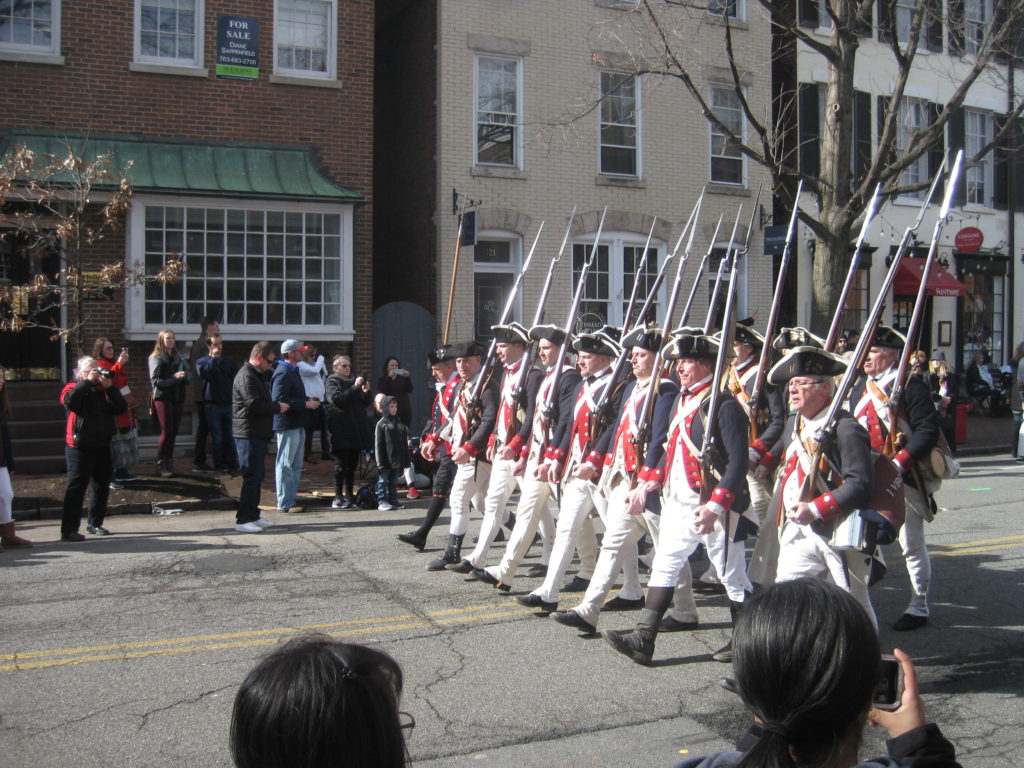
452,553
724,654
638,643
418,538
413,538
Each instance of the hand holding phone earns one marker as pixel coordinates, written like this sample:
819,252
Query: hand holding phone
909,711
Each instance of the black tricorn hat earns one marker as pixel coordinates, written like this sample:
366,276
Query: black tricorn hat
745,334
691,342
887,337
513,333
467,349
551,333
649,338
789,338
807,361
442,353
603,341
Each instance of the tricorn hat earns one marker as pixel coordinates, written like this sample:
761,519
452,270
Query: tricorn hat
649,338
806,361
442,353
691,342
513,333
603,341
887,337
745,334
790,338
467,349
551,333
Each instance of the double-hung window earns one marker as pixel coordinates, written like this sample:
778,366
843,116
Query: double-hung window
305,38
732,9
978,132
977,16
727,161
610,279
169,32
913,117
498,105
903,16
30,27
619,126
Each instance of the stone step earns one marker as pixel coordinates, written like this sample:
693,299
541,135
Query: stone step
41,465
29,430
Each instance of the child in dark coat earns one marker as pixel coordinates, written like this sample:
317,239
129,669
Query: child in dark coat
391,440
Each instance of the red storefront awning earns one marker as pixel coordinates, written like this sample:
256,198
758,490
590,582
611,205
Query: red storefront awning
940,282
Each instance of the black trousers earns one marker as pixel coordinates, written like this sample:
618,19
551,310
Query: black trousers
91,468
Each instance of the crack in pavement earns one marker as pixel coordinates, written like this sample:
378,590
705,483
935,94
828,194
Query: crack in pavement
190,700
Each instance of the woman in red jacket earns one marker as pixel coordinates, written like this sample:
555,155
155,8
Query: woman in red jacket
124,450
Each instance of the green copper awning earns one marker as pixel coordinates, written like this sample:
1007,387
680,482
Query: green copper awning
187,168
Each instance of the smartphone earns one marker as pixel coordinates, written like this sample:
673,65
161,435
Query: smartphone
889,689
399,371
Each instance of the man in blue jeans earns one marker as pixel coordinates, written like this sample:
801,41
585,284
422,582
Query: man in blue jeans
286,387
252,411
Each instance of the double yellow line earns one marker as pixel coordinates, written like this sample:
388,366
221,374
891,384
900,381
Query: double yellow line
973,547
170,647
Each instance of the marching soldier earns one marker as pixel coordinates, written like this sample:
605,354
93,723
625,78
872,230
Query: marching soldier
919,427
697,507
535,494
573,460
808,518
511,432
627,521
436,448
469,432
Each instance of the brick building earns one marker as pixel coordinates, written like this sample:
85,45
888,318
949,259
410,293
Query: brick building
249,126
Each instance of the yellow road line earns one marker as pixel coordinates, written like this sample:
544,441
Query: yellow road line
255,638
973,547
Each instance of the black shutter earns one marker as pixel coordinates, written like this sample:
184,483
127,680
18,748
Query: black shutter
807,13
998,21
955,16
810,136
1018,165
956,130
885,20
932,25
861,134
883,111
937,150
1001,166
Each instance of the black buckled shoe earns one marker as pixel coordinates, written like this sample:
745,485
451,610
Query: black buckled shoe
669,624
574,620
413,539
576,584
619,603
537,571
533,601
463,566
481,575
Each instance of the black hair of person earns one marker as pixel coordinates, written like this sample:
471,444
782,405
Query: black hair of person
806,659
319,703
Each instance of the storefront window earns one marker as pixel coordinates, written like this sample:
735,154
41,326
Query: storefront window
983,316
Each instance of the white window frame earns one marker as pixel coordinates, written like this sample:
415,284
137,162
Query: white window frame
199,11
713,132
636,125
978,179
618,295
29,50
977,18
331,52
517,124
903,18
512,269
739,7
913,117
135,297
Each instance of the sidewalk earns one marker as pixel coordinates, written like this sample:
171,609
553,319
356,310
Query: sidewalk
988,436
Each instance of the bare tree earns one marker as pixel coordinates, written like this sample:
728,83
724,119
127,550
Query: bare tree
66,204
655,43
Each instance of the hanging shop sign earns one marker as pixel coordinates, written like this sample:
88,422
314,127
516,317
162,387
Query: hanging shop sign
238,43
969,239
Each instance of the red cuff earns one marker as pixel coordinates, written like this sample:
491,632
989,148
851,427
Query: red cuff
905,459
595,458
770,461
826,506
723,496
471,449
759,446
650,475
554,454
490,440
516,444
524,451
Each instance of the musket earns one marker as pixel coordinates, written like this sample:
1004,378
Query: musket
732,247
643,421
636,278
538,315
773,314
696,281
837,319
828,430
549,402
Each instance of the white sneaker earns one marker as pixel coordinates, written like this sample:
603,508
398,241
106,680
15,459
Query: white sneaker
248,528
263,523
385,506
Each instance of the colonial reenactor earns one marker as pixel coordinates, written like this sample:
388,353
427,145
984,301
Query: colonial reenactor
626,523
468,431
434,447
698,507
918,433
536,493
808,518
508,444
574,461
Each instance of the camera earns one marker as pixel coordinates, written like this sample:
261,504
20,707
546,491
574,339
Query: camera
889,689
105,373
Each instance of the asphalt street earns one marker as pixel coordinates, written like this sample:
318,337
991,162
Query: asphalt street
128,650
